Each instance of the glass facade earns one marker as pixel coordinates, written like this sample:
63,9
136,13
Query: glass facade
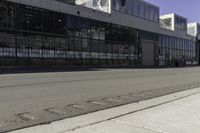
137,8
180,23
173,50
37,36
30,33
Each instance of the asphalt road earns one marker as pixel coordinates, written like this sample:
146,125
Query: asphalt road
33,92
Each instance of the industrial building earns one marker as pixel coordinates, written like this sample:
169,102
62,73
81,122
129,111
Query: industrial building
194,30
93,33
176,45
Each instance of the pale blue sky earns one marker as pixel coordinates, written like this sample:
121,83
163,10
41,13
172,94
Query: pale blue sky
187,8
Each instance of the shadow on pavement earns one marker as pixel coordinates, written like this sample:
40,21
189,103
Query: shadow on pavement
46,69
15,70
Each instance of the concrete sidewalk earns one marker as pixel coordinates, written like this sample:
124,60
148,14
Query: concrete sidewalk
181,116
175,113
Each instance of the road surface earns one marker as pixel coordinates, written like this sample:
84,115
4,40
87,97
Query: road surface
23,96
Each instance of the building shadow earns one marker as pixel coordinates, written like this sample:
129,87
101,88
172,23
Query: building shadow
17,70
52,69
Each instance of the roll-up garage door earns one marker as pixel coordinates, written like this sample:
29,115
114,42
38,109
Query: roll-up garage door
147,53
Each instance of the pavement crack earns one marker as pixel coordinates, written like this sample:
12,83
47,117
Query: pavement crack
138,126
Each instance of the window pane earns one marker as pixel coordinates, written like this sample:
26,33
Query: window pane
147,11
141,7
135,7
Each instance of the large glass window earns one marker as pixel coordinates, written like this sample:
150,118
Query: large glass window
3,15
141,9
152,15
38,33
60,23
74,25
32,19
47,21
136,7
181,50
129,6
147,11
198,29
180,23
156,14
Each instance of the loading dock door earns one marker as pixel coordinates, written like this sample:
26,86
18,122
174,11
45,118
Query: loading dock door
147,53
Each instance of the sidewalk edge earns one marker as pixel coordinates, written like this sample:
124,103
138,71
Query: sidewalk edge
74,123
